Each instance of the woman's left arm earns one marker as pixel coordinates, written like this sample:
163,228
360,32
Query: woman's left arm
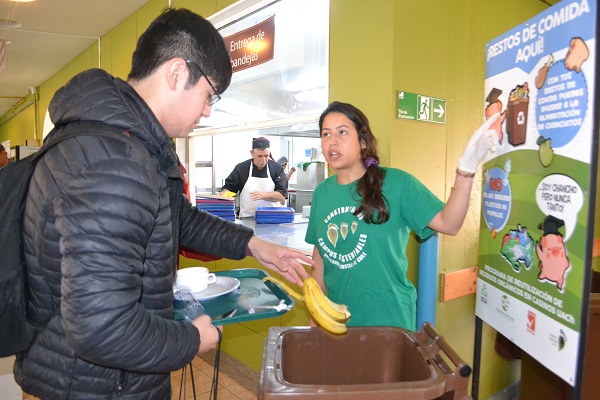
452,216
450,219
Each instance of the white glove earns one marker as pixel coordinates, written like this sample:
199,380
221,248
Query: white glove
482,141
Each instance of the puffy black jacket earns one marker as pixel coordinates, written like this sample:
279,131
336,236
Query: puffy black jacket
103,223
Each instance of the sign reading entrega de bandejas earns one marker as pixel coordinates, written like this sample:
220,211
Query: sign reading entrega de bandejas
540,77
252,46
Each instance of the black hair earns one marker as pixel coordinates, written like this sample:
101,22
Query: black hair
374,205
182,33
261,143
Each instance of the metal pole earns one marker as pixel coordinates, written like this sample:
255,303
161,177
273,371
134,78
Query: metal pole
428,280
476,358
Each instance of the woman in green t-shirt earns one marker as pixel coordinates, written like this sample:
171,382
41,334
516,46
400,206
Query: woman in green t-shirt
361,218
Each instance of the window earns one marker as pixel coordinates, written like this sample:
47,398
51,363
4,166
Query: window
280,99
293,84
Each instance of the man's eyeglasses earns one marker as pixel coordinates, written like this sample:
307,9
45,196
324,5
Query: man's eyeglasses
215,97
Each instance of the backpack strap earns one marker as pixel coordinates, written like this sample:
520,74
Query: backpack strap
84,128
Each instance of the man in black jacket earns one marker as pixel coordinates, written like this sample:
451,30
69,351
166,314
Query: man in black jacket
105,218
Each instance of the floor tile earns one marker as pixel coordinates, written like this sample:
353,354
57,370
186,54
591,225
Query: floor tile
228,388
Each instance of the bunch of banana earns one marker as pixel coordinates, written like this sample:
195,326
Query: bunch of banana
328,315
229,194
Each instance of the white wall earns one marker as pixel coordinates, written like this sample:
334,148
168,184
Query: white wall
9,390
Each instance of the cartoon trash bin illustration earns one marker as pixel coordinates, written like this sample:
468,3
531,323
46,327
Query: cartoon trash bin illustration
516,114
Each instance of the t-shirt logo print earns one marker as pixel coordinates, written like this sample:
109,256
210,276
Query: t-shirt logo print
342,242
332,231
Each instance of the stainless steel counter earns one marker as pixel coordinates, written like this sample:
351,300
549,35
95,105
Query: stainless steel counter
289,235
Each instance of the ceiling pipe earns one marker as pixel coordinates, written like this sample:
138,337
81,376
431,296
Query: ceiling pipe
16,106
23,104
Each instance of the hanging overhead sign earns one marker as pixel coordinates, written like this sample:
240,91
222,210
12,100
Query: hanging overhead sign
252,46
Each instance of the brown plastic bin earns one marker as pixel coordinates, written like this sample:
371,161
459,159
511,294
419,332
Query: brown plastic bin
366,363
516,121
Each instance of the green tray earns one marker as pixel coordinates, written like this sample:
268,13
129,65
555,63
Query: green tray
251,292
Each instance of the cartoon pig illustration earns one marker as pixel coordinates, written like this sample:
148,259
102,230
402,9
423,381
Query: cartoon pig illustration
552,252
577,54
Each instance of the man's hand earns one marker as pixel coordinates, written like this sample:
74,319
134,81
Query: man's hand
280,259
256,195
267,196
209,337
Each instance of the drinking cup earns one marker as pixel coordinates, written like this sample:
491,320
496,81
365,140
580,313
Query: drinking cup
196,279
185,305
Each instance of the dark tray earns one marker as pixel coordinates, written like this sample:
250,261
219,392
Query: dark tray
252,291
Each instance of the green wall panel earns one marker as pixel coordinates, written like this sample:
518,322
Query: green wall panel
106,52
243,344
19,128
360,57
124,39
147,14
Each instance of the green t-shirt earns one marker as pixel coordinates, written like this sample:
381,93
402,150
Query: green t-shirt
365,264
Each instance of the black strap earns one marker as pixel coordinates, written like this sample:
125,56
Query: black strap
193,383
83,128
182,382
215,382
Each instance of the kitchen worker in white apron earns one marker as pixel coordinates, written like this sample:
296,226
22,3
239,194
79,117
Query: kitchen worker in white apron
259,181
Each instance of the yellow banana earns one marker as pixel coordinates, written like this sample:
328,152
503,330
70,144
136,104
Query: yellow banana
338,312
285,287
328,315
227,194
319,315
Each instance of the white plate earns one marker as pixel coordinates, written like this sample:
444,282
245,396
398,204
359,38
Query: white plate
223,285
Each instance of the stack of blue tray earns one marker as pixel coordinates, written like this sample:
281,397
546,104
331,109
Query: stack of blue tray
274,215
223,207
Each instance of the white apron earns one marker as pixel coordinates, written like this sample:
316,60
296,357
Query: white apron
247,205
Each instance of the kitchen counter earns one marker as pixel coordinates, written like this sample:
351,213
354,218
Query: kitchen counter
289,234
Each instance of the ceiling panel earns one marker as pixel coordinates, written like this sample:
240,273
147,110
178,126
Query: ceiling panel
52,33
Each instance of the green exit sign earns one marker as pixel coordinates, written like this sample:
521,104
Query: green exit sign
421,108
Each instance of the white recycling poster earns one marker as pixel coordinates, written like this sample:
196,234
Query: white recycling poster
540,77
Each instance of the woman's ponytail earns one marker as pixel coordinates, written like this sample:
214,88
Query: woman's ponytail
374,206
